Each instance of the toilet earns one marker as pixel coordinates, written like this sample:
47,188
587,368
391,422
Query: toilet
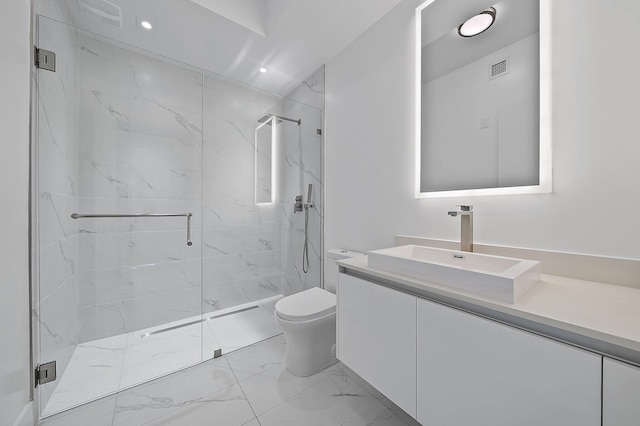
308,320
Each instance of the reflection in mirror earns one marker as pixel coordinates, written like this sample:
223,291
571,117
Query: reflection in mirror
483,104
265,169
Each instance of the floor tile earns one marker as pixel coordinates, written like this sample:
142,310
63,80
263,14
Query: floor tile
93,372
163,396
106,366
376,414
97,413
233,389
329,402
276,385
226,407
258,358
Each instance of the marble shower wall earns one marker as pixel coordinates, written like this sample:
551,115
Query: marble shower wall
56,176
140,152
242,249
301,164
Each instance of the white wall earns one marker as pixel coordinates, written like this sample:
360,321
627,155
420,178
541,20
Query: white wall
14,178
370,142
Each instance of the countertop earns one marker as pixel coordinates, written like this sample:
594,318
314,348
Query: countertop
600,317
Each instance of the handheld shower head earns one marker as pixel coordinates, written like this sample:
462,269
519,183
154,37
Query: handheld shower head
309,194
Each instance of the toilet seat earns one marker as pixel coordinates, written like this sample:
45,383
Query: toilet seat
307,305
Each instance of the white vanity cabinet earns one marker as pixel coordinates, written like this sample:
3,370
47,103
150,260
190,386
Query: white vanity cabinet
377,337
620,394
474,371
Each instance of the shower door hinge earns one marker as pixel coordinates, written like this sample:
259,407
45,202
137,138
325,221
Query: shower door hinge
45,59
319,132
45,373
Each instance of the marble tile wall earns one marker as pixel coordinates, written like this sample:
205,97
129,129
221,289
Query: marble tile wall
140,128
56,177
301,165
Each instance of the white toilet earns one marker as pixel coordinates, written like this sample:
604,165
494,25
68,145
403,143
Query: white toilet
308,320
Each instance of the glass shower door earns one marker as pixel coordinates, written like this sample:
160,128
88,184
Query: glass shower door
119,299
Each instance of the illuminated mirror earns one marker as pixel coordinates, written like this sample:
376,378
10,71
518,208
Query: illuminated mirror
482,109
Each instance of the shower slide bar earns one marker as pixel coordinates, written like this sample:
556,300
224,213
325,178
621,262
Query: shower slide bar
108,215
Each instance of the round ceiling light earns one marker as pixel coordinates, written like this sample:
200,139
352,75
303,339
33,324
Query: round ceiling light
478,24
262,70
146,25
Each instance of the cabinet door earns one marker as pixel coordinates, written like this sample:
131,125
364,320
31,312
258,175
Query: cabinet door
377,338
620,394
473,371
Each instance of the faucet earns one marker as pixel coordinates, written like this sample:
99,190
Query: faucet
466,226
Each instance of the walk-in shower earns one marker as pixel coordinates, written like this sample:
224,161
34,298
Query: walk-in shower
151,253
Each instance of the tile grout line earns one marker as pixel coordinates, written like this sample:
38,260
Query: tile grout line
243,392
191,402
358,412
306,389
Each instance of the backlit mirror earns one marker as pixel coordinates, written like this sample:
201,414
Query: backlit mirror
265,143
483,105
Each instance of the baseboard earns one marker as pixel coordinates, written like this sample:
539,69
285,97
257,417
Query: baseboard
26,416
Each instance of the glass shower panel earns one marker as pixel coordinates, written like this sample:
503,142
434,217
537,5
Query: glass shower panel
242,256
119,298
253,249
302,152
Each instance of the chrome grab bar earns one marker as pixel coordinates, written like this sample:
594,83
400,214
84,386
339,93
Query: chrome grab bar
109,215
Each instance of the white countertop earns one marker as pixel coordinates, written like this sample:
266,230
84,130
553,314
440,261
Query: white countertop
606,313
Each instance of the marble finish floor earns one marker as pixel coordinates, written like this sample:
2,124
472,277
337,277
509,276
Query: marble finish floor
247,387
106,366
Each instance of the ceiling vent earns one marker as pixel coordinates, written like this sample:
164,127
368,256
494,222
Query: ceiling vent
499,68
108,12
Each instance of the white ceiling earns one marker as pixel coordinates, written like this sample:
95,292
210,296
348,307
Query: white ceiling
292,38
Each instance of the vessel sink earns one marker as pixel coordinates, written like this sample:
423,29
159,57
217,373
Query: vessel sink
499,278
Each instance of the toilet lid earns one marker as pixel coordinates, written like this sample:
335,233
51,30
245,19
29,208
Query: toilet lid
306,305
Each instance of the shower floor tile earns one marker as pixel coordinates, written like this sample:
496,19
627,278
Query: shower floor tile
106,366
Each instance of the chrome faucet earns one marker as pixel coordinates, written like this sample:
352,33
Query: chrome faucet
466,226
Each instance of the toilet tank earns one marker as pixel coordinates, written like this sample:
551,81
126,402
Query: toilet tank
331,278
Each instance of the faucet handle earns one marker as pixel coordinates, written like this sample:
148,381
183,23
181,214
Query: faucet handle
465,208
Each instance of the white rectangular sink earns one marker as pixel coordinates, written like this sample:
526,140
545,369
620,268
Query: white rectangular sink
500,278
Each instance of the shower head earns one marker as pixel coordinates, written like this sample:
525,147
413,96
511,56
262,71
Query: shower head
266,118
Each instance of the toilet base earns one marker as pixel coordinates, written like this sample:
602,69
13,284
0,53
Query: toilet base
309,344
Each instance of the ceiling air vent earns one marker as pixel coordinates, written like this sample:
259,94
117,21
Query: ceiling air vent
499,68
107,11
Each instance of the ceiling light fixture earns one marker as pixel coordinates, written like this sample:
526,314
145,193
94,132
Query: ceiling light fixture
146,25
478,23
262,70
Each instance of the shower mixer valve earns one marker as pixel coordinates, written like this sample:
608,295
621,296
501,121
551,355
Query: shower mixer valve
298,206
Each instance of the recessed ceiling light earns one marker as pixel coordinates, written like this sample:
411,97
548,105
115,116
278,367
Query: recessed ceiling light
478,24
146,25
262,70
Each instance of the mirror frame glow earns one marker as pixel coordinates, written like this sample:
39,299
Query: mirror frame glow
544,185
273,123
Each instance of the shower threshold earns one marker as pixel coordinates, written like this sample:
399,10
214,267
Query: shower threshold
106,366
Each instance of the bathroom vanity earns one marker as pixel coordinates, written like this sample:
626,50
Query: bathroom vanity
567,352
